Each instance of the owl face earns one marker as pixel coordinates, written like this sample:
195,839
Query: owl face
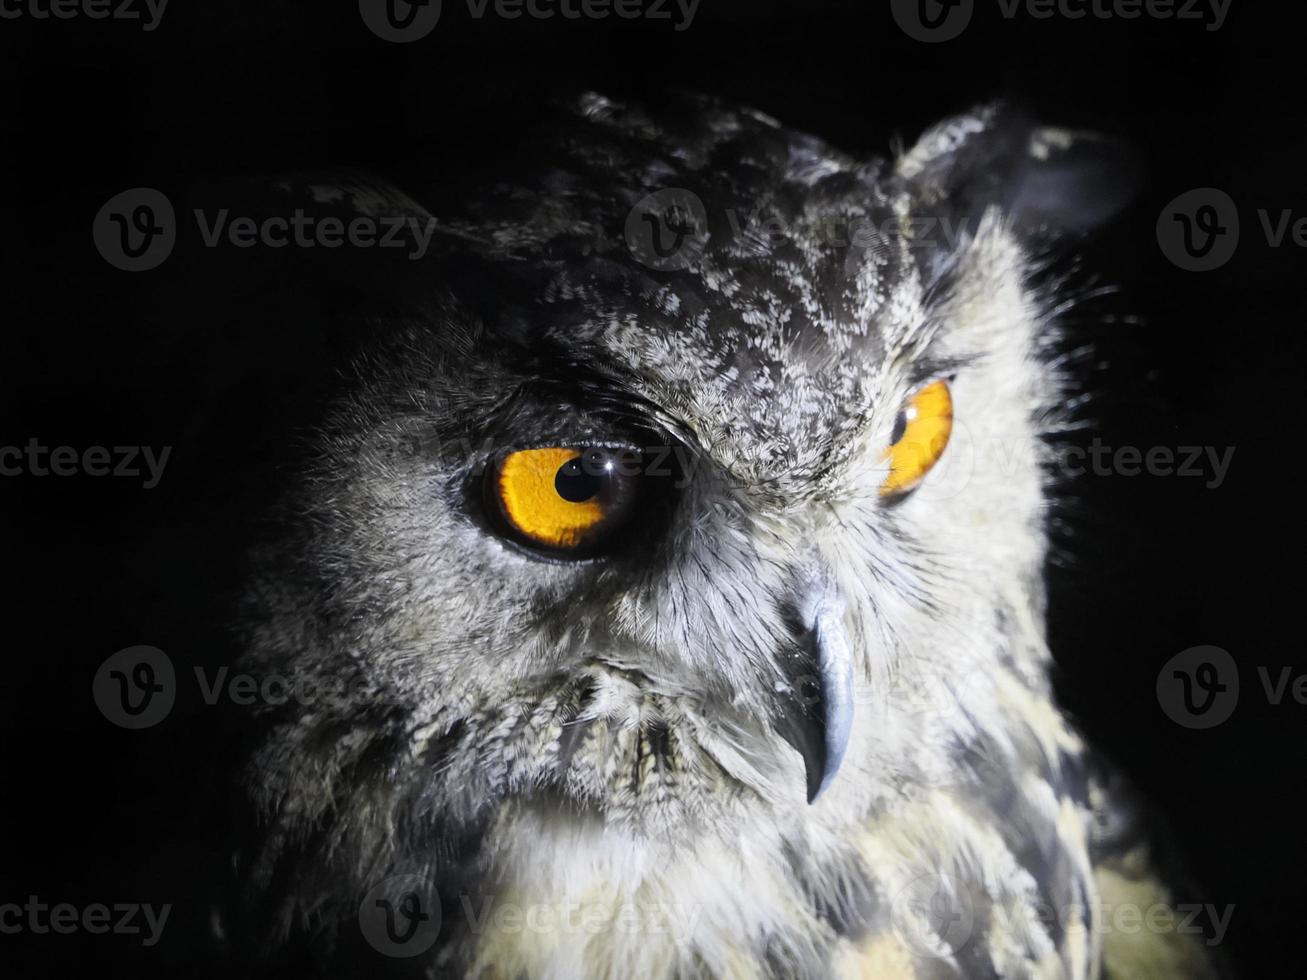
672,551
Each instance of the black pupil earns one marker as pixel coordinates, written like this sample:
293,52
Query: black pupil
576,482
900,427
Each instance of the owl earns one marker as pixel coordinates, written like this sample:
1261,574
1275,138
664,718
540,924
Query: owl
662,597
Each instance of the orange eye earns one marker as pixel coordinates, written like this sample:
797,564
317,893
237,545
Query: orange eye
564,499
920,435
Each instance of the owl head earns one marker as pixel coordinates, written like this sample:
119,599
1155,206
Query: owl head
698,493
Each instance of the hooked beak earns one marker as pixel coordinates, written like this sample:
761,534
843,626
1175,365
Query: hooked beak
816,715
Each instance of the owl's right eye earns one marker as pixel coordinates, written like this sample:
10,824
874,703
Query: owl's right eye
564,500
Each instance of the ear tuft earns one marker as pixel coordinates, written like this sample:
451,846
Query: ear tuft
1046,181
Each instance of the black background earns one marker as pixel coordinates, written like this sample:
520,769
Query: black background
220,359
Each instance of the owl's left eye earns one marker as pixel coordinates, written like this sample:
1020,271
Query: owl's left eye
921,434
565,500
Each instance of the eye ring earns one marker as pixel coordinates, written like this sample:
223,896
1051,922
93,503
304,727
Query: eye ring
921,434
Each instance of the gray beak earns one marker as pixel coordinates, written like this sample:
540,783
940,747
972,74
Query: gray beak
816,714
